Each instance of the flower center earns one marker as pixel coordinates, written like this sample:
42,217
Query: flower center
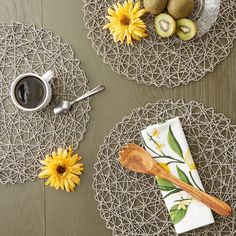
61,169
125,20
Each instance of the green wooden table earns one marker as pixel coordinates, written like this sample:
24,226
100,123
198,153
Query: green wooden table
30,209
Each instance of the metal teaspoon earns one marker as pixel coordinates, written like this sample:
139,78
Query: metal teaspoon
64,106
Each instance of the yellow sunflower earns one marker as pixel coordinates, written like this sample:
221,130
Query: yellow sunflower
125,22
62,169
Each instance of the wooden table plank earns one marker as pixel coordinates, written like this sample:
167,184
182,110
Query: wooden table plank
22,209
76,213
22,205
25,11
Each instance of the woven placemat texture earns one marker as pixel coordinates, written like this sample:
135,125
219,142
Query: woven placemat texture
165,62
131,203
25,137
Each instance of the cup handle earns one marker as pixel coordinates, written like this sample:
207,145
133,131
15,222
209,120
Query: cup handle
48,76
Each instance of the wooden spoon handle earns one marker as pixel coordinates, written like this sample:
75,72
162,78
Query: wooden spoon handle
214,203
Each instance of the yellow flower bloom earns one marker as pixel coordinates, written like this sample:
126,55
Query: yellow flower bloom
164,166
62,169
125,23
183,204
155,133
189,160
159,146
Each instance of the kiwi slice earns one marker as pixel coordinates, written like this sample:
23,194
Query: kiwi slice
186,29
165,25
155,6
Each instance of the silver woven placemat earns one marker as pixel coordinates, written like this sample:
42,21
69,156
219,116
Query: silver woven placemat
163,62
132,204
25,137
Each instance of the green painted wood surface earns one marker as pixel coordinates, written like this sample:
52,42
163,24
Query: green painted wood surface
31,209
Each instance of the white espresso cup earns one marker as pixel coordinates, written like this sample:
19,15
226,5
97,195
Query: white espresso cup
31,92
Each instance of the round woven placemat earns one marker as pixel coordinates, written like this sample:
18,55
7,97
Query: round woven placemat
25,137
132,204
162,62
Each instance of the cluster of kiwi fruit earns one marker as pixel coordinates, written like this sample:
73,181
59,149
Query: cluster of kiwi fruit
175,21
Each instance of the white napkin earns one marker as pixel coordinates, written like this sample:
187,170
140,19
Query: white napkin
167,143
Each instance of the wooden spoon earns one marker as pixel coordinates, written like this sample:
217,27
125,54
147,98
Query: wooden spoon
135,158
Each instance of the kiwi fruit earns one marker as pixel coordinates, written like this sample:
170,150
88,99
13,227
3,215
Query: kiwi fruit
155,6
180,8
165,25
186,29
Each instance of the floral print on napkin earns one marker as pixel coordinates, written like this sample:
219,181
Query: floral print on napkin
168,146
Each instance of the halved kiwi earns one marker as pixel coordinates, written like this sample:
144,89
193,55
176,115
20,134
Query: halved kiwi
165,25
186,29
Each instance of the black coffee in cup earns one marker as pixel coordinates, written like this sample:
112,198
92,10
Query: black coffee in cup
30,92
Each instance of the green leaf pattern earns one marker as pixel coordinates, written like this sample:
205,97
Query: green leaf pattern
177,211
183,176
177,190
165,185
173,143
177,214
